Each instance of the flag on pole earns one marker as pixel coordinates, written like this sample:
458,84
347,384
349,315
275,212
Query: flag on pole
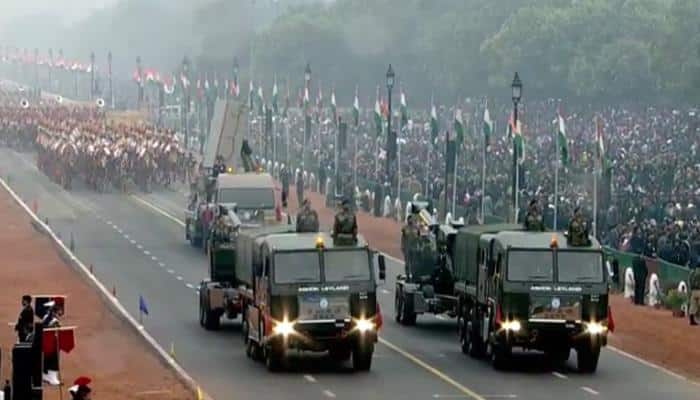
378,115
261,101
518,142
600,145
143,307
488,126
561,140
356,107
334,110
434,127
404,109
275,106
306,100
459,125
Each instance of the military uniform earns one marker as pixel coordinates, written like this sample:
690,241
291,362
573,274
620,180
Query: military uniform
694,306
307,220
25,323
533,221
578,232
345,226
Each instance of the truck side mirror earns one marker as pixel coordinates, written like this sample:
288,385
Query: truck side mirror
381,260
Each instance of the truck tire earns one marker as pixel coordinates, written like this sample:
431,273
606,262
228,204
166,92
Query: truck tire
406,313
274,356
500,355
473,340
587,357
210,319
362,356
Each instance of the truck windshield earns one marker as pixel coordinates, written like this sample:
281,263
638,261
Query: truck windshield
343,266
579,266
530,266
248,198
297,267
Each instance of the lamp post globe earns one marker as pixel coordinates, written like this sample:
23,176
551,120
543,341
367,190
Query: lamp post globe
517,88
390,78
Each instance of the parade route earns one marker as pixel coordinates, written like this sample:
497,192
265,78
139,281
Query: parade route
136,244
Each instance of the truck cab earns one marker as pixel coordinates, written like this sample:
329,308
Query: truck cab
535,291
312,295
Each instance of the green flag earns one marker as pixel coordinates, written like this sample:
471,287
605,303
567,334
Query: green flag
404,109
459,125
562,141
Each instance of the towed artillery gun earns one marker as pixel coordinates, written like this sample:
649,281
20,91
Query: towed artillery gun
426,286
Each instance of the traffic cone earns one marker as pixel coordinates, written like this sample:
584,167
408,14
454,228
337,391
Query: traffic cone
172,350
114,290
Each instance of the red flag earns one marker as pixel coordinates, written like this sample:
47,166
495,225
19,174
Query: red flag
65,337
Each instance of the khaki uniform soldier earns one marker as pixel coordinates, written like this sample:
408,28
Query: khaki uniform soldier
533,219
409,233
578,230
345,225
694,306
307,218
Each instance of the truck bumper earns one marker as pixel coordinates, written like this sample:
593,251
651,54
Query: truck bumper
323,336
550,336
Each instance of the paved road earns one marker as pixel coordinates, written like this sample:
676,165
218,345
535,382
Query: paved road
136,243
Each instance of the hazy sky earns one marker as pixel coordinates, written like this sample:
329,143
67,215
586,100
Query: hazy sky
67,10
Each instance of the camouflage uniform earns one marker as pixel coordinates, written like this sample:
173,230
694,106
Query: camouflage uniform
345,226
533,221
578,231
307,220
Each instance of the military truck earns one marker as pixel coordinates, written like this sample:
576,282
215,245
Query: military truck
427,284
229,287
529,290
309,294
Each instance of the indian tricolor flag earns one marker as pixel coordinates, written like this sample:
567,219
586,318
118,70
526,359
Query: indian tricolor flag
488,126
356,108
378,115
561,140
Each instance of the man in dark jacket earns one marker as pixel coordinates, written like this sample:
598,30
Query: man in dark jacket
25,321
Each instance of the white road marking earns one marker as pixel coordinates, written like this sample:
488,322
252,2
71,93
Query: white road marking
589,390
560,375
146,252
138,246
189,285
154,258
132,241
126,237
109,222
329,394
170,271
119,231
160,264
179,278
310,378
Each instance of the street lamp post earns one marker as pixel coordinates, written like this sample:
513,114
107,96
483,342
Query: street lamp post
307,117
390,139
517,88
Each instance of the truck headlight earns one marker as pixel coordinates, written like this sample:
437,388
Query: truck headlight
513,326
595,328
364,325
283,328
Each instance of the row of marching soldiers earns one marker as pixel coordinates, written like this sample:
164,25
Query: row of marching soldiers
41,338
79,142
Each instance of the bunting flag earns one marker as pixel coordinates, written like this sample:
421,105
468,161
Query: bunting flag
434,127
404,109
488,126
356,108
459,125
561,139
62,338
378,115
275,107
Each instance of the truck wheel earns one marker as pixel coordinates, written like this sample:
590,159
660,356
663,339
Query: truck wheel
408,316
202,316
362,356
211,319
587,357
274,356
500,355
475,345
244,329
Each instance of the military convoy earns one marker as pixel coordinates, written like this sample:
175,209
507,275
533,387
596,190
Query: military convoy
509,288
